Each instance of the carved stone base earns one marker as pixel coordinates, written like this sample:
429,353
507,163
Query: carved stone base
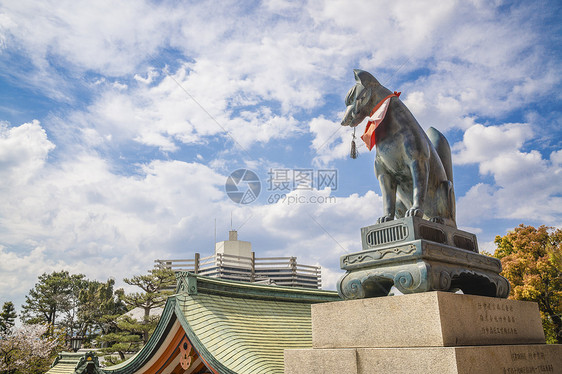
415,255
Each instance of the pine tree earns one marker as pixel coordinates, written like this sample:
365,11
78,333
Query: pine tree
127,334
7,317
156,287
54,300
96,301
73,305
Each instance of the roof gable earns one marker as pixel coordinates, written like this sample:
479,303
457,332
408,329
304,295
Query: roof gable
230,327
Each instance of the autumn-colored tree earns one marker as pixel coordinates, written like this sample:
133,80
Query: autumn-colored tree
532,262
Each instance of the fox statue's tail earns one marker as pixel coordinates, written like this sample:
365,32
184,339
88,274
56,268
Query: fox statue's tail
443,149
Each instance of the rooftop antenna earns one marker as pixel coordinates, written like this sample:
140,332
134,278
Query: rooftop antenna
232,234
215,231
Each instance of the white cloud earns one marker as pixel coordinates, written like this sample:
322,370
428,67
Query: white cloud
556,159
479,61
19,272
151,74
482,143
80,215
526,187
478,203
23,151
342,216
281,6
108,37
331,140
182,108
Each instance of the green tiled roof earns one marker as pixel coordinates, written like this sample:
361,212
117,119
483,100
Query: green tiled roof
62,369
247,335
65,363
236,327
73,363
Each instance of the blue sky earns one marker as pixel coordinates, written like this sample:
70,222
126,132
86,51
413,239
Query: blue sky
121,121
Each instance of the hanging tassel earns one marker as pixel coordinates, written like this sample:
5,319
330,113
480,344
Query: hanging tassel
353,154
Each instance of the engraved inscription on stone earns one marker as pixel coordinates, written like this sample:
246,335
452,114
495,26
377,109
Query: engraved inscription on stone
531,361
496,319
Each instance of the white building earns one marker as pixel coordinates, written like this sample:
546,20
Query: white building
234,259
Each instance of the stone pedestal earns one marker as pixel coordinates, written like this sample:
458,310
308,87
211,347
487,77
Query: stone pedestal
416,255
433,332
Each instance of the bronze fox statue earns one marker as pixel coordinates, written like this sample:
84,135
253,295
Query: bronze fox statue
414,169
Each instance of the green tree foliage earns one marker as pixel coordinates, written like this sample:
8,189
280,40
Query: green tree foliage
129,334
53,300
97,303
73,305
156,287
532,262
95,310
7,317
125,337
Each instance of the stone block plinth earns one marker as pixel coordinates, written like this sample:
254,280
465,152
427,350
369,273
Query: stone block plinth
431,319
434,332
505,359
310,361
515,359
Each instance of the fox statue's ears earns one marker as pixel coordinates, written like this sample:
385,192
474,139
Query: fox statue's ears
365,78
353,98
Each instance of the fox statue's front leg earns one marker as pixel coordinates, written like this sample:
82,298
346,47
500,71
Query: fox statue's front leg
388,188
420,175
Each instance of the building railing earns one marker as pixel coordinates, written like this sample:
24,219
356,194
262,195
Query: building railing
282,271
